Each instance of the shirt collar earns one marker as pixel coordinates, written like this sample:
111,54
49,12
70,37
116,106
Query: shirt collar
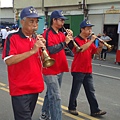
80,37
22,34
54,30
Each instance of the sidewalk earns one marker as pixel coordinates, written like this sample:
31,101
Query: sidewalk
110,59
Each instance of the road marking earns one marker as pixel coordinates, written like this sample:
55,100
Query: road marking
108,76
81,114
5,89
40,102
104,75
72,116
100,65
2,84
105,66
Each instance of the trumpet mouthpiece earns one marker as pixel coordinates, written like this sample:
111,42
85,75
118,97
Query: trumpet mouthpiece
34,29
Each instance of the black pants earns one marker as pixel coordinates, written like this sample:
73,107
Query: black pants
87,80
3,41
103,53
23,106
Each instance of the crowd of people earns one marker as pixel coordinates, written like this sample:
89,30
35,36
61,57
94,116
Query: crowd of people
5,31
23,55
102,55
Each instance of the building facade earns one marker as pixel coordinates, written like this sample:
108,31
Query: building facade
106,17
6,16
104,14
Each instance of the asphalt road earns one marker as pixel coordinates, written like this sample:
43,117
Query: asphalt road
107,85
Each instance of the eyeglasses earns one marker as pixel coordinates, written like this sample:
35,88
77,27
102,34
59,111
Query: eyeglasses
62,20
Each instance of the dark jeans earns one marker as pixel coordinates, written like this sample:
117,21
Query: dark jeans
23,106
87,81
103,53
3,41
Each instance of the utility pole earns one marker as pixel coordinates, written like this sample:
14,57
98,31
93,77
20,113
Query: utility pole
85,10
45,10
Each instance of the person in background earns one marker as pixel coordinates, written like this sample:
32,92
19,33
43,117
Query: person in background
105,38
14,29
21,54
55,43
81,70
97,56
4,33
7,28
0,39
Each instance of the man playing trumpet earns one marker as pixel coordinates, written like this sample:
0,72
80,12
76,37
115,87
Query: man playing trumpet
81,69
21,55
55,43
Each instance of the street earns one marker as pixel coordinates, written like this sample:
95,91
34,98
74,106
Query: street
106,81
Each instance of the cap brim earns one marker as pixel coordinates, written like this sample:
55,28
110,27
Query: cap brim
64,18
89,25
34,16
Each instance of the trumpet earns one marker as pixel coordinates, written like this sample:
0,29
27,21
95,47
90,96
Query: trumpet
109,47
78,48
46,60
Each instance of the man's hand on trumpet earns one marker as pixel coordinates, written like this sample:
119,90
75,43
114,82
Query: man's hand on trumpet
69,32
40,37
40,43
93,37
69,36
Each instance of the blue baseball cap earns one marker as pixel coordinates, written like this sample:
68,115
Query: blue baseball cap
58,14
29,12
85,23
13,26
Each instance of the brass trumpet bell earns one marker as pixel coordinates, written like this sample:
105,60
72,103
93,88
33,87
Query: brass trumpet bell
110,47
47,61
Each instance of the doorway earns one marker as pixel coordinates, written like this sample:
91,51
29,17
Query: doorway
111,31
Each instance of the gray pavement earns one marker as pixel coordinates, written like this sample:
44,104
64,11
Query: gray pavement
107,92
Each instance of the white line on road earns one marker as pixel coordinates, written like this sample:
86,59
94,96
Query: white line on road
105,66
104,75
108,76
100,65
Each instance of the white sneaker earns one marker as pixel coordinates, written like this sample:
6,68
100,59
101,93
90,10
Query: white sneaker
44,117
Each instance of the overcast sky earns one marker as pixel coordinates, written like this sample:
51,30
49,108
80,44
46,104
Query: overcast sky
6,3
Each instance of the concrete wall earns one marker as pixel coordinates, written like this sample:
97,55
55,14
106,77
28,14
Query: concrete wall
50,3
6,14
19,4
101,1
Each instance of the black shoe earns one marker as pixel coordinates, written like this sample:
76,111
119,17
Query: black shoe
73,112
97,114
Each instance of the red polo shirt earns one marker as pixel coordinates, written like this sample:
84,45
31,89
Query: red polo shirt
61,64
24,77
82,61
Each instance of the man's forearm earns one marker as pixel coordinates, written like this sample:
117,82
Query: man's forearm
86,46
18,58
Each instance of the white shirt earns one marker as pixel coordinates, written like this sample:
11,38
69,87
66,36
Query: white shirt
104,38
9,32
4,33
